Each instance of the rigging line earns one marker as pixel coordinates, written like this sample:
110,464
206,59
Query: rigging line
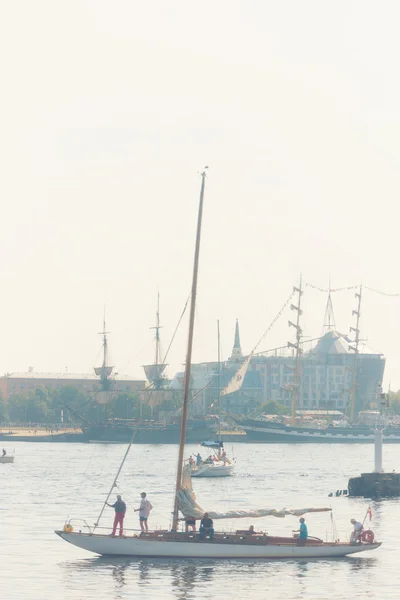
327,291
170,344
84,473
176,329
379,292
273,322
114,484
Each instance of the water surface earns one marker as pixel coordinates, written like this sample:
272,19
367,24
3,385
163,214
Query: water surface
49,482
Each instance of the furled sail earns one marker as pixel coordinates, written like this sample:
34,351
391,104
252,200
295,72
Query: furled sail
104,397
190,508
154,397
103,372
153,372
237,380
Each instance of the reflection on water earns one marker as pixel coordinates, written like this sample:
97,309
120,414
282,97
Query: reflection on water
187,578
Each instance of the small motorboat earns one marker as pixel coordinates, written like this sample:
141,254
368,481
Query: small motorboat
6,459
213,469
218,465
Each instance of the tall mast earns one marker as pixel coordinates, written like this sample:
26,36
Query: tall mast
296,346
105,370
219,380
154,372
104,333
157,328
356,331
188,356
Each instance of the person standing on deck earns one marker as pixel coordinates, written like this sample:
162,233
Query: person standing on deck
120,509
144,511
198,459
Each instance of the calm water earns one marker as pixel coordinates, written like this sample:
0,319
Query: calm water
50,481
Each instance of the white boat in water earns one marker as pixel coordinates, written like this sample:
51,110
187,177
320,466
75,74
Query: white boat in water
217,465
6,459
214,469
208,544
163,544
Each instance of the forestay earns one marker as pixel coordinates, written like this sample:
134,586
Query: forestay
190,508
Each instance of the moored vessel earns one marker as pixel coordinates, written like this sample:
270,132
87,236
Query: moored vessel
6,459
263,430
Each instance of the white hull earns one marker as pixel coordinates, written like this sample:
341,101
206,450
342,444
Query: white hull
163,548
6,459
214,470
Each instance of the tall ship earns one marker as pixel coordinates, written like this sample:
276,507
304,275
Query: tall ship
144,430
339,379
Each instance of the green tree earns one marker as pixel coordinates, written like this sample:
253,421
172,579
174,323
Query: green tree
394,403
272,408
125,406
3,411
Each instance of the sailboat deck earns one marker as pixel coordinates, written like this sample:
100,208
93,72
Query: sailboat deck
224,538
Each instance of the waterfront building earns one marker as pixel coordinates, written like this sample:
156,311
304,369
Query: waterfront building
326,375
25,383
327,366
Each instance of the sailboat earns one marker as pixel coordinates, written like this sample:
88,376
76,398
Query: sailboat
175,543
217,465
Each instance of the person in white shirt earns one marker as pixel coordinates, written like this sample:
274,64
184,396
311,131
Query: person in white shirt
356,531
144,511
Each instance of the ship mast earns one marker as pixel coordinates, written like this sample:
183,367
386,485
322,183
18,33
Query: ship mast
154,372
296,346
157,328
105,370
219,381
188,356
355,348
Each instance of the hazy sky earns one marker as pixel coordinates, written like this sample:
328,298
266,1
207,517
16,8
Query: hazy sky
109,110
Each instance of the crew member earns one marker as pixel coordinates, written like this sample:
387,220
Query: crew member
357,531
206,527
303,532
190,522
120,509
144,511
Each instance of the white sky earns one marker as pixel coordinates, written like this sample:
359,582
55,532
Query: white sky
108,112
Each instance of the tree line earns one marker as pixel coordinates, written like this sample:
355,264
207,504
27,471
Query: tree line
68,405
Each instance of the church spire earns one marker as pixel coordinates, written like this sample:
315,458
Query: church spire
237,350
329,323
329,318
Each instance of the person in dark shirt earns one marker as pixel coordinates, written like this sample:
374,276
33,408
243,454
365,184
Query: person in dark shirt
206,527
120,509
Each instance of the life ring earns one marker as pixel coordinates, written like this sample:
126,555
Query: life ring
367,536
68,528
